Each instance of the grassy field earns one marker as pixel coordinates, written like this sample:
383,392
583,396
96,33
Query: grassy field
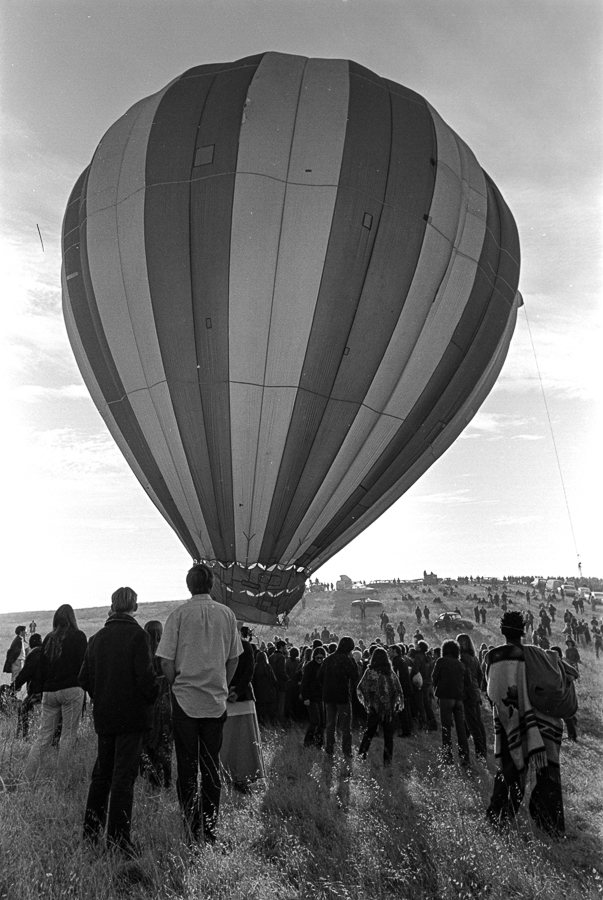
311,829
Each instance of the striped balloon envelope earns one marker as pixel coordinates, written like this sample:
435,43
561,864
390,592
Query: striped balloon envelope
288,285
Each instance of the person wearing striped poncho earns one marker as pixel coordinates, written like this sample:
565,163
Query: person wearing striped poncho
525,740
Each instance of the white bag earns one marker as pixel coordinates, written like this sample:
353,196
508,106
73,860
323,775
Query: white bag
417,680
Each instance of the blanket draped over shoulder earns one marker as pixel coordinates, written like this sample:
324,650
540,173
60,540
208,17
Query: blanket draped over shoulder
381,693
533,738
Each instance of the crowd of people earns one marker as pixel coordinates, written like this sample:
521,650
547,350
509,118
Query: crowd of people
151,691
154,695
394,687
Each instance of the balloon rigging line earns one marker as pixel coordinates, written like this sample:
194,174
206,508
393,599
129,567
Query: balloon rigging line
567,506
40,234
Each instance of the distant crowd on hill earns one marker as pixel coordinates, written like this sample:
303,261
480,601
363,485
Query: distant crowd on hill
430,579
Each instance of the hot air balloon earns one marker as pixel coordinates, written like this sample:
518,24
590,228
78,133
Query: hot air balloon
289,286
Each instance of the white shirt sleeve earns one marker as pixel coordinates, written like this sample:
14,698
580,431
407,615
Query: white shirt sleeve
169,639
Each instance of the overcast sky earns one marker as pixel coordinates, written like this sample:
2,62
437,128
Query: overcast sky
521,491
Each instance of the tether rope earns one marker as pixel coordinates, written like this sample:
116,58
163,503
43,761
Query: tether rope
548,415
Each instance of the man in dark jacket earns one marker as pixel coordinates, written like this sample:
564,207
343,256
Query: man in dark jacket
15,656
118,674
338,676
450,681
31,674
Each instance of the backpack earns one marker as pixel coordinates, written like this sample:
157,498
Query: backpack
550,681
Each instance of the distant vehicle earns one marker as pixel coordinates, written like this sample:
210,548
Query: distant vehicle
553,584
597,596
570,590
370,605
450,620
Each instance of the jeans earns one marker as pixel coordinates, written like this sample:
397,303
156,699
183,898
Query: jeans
339,714
449,710
57,706
372,725
475,727
112,787
198,743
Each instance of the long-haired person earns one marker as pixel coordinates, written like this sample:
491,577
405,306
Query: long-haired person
156,759
63,652
402,670
264,687
241,751
311,693
472,698
380,693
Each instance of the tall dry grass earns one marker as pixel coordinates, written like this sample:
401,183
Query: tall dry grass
310,831
313,829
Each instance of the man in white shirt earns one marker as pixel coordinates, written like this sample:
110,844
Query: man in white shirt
199,651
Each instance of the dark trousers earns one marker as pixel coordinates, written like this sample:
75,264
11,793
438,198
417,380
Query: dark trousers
25,712
572,731
315,730
198,743
419,706
475,727
339,714
546,801
453,710
281,699
266,712
405,720
430,718
372,725
112,788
